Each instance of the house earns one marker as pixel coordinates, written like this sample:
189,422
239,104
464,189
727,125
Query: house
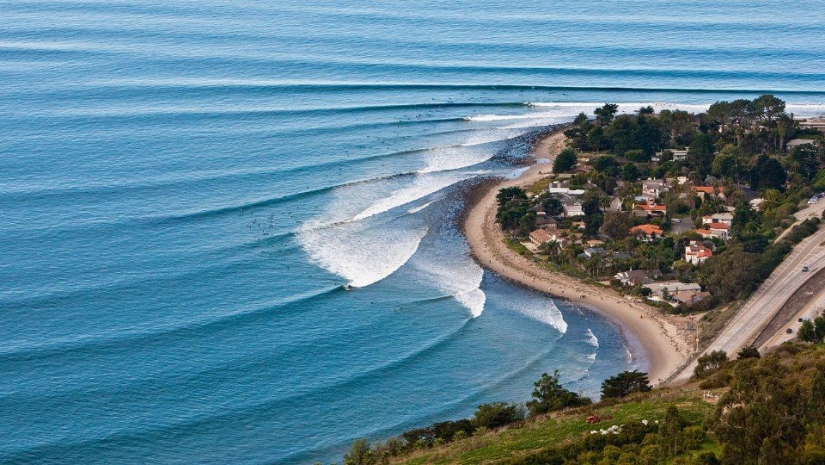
652,210
633,277
654,187
817,123
546,221
540,236
726,218
689,297
797,142
702,191
672,287
646,232
678,154
572,208
592,251
719,230
696,253
595,243
558,187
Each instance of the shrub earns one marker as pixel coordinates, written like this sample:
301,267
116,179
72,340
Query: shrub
710,363
497,414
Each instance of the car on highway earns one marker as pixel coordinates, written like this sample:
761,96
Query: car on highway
804,268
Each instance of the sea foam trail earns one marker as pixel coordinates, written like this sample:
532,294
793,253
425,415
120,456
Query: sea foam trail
591,338
422,186
539,309
457,275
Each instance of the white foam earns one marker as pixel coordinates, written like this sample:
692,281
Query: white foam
542,310
563,111
422,186
418,209
591,338
449,268
361,255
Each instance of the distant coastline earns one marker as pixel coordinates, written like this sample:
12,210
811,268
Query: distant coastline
654,338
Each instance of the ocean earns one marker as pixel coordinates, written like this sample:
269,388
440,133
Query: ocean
186,187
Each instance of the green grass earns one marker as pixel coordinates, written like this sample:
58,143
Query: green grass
534,436
516,246
540,186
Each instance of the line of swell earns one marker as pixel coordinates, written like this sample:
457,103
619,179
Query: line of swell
270,201
210,265
249,411
367,86
62,348
132,114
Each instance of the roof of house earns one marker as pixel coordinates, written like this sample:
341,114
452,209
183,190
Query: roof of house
633,274
718,226
652,208
705,189
686,297
541,235
647,229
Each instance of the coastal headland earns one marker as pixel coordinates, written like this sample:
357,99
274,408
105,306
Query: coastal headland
661,342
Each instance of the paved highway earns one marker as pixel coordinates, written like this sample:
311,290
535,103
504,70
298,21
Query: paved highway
761,307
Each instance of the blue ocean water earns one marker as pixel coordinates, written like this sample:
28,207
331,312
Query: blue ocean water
186,186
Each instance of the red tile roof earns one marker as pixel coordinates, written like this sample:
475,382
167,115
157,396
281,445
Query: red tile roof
647,229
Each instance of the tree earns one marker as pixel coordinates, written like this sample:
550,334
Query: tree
700,153
710,363
549,396
550,204
565,161
671,432
748,352
772,175
806,331
508,194
605,114
625,383
360,453
497,414
596,138
617,225
630,173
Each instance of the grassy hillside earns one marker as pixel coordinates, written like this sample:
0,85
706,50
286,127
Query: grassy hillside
747,411
524,440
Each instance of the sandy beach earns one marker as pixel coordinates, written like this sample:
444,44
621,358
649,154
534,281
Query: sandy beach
661,342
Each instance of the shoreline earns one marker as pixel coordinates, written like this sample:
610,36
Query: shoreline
652,337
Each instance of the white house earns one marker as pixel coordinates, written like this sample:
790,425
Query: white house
696,253
572,208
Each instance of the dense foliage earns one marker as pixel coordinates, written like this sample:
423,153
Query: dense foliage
549,396
625,383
